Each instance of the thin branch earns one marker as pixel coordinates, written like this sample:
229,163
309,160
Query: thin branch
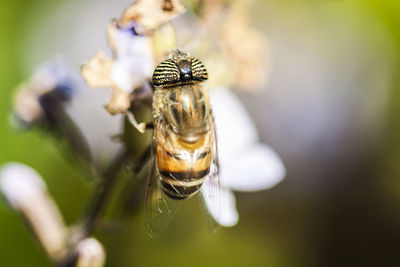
103,191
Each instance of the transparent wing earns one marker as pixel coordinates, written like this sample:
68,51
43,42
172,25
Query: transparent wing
210,201
160,209
222,209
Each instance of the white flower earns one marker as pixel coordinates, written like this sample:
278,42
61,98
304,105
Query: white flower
134,59
245,163
20,184
130,65
26,192
91,253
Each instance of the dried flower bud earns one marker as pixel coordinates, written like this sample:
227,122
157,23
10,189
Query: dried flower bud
96,72
249,59
235,53
209,11
119,102
151,14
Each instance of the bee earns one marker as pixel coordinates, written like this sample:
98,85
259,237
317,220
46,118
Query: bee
184,141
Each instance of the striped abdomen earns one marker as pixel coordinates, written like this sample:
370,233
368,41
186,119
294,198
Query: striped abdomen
183,165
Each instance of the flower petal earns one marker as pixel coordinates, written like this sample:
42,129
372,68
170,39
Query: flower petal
134,60
245,164
224,212
119,102
252,168
235,129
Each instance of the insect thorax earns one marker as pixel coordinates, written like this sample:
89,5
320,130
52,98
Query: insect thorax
185,107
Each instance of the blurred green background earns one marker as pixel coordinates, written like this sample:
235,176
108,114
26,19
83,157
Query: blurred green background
330,110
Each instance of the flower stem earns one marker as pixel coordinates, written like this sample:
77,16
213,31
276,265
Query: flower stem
103,191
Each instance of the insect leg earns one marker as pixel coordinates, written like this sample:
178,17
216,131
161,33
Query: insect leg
149,126
143,159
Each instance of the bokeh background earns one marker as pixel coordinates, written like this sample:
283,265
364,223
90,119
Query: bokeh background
330,110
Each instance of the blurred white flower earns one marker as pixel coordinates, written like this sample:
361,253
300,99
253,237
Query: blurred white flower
91,253
26,192
53,77
20,184
245,163
43,102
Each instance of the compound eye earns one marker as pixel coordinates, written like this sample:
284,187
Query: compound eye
166,73
199,72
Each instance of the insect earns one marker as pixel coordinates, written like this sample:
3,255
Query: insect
184,141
